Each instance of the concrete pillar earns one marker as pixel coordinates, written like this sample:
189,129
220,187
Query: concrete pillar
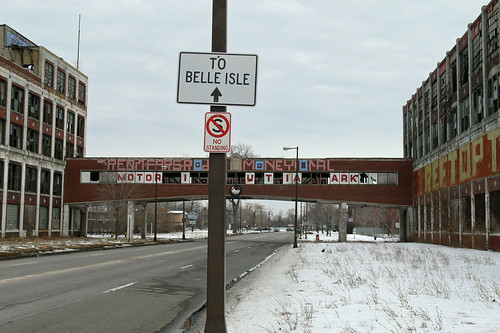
65,221
343,223
419,219
449,215
403,224
487,212
425,220
130,219
440,219
432,219
460,215
85,221
472,213
143,206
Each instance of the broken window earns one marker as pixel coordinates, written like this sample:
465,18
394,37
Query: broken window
61,80
49,74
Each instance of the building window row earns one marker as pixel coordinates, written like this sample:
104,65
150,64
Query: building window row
277,178
34,104
14,179
425,131
33,139
61,82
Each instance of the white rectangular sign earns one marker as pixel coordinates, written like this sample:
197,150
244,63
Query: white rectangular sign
217,78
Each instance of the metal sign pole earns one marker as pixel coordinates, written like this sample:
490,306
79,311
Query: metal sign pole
216,270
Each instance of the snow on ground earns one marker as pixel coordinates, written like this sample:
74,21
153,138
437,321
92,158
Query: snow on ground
35,245
369,287
364,285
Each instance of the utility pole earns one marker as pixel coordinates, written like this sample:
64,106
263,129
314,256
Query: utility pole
216,270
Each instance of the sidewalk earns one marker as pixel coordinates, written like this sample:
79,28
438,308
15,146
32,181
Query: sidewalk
240,290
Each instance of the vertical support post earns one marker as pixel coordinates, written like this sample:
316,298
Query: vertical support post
403,224
130,219
419,220
343,223
295,225
460,214
183,219
425,220
487,212
433,227
472,213
144,227
216,270
440,219
156,202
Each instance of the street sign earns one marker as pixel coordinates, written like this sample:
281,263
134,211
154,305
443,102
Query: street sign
217,78
217,132
192,215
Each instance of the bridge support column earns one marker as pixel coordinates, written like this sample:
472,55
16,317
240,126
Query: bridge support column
130,219
144,226
403,224
343,223
85,220
65,220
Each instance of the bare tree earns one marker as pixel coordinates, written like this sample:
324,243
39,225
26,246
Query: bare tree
252,214
242,150
365,216
388,219
116,196
326,214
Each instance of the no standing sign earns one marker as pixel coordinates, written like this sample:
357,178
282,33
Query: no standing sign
217,132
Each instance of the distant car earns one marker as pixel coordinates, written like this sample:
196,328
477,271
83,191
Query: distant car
289,229
276,230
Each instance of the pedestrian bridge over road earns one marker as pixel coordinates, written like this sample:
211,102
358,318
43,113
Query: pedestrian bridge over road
379,181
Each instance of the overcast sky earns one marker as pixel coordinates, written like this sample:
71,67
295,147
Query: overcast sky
332,75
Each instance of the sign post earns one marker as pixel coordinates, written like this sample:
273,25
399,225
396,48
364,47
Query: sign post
216,261
217,79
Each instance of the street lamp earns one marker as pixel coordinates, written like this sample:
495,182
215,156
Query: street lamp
296,191
156,200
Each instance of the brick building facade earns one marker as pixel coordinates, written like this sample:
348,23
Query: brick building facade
43,111
451,131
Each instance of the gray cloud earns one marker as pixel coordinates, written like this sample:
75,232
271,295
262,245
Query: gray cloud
332,77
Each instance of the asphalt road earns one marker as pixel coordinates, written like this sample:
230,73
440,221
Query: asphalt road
135,289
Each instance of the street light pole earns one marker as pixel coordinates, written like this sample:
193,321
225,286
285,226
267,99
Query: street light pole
296,192
156,200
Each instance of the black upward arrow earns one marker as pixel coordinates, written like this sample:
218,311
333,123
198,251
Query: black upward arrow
216,93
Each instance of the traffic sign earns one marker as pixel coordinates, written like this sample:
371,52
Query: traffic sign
217,78
217,132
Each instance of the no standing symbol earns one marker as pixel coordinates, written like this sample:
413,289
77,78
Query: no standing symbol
217,132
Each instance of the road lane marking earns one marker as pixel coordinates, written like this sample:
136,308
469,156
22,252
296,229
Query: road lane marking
97,254
78,268
119,287
187,266
21,264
